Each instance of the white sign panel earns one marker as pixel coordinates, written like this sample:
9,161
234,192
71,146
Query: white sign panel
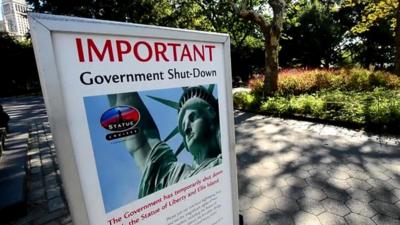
142,121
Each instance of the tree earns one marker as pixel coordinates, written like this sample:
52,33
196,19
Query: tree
246,52
397,39
16,79
141,11
374,12
271,30
207,15
312,34
374,47
171,13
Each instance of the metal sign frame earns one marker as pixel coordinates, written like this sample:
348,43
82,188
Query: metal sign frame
43,26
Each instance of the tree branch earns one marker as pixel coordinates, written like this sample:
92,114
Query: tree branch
209,16
256,18
251,15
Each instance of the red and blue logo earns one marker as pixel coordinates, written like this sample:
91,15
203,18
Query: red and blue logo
121,121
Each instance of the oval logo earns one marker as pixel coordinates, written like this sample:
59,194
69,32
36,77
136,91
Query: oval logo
120,118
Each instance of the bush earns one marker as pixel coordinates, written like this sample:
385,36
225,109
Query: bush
372,109
245,101
277,105
307,105
256,84
385,79
355,79
353,96
17,80
296,82
305,81
383,109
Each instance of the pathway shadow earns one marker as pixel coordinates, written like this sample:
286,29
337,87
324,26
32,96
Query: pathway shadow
333,168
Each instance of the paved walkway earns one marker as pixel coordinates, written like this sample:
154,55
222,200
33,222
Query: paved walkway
14,159
23,111
45,199
302,173
290,172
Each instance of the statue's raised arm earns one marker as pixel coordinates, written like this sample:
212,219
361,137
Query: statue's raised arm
139,145
198,123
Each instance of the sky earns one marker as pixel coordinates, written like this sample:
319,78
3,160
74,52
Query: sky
118,175
1,9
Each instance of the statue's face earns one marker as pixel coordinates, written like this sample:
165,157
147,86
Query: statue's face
195,123
194,128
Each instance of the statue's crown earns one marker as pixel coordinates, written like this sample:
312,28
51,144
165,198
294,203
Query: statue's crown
198,92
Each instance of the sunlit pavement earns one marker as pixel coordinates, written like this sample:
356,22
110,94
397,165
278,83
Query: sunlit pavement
23,111
293,172
289,172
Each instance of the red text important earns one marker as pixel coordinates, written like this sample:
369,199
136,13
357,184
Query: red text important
119,50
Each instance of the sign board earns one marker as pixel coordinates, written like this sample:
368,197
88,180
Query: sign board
142,120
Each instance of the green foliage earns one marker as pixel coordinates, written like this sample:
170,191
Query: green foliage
366,98
342,106
17,80
175,13
276,105
312,34
245,101
295,82
366,80
256,84
372,109
206,15
316,32
324,33
383,108
307,105
374,47
373,12
373,25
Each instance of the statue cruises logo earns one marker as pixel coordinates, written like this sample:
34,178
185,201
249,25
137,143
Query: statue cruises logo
121,121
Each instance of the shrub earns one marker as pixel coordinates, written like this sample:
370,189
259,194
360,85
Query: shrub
296,82
383,109
354,96
276,105
307,105
385,79
355,79
245,101
372,109
305,81
256,84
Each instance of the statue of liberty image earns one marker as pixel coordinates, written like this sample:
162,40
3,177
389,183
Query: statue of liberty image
198,123
120,118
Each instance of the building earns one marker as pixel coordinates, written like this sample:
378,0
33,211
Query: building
14,16
2,27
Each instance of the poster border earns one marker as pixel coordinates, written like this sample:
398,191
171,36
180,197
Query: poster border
42,26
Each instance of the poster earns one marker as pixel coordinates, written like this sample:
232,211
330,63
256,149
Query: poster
142,121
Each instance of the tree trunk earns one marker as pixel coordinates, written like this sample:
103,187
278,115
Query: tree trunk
271,64
272,33
272,38
397,41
